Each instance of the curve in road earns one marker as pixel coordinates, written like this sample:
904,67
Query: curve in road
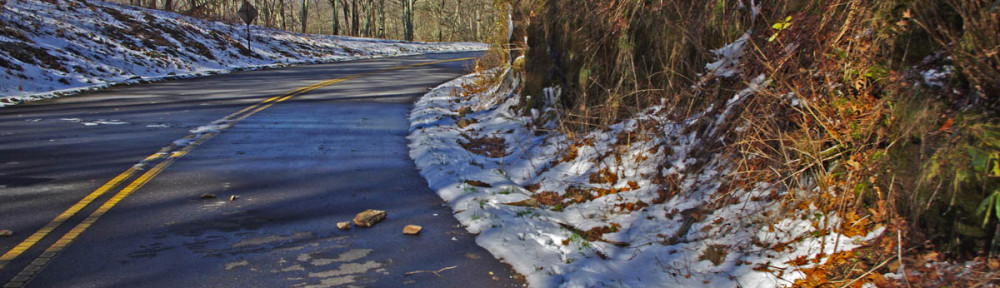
293,164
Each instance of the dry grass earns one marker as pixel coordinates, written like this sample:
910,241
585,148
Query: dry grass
848,108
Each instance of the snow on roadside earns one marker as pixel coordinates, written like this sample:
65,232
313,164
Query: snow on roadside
629,206
703,235
56,47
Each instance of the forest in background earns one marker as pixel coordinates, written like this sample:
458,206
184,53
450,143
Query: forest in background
413,20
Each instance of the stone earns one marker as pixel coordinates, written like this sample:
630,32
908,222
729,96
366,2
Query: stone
412,229
369,218
344,225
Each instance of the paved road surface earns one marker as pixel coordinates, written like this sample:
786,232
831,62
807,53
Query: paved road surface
298,167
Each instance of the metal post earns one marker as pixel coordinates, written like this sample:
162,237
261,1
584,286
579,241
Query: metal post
248,38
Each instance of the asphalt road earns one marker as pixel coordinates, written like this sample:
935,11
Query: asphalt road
298,165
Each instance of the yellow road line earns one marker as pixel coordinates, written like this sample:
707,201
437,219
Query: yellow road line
64,241
59,220
36,265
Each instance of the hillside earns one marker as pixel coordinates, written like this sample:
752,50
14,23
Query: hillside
56,47
729,143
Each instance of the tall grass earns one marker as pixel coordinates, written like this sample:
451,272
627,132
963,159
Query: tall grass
851,107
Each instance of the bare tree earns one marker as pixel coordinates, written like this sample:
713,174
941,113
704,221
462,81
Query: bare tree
333,15
441,20
304,16
408,18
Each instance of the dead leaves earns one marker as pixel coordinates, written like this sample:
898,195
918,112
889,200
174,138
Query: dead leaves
548,198
573,150
477,183
604,176
629,207
493,147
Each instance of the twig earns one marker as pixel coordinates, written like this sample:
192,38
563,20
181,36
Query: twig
434,272
866,273
899,251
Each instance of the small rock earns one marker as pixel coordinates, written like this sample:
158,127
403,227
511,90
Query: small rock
6,233
344,225
412,229
208,196
369,218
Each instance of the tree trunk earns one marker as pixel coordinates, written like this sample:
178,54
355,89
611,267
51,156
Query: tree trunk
381,18
345,6
281,11
441,19
333,14
355,18
304,15
408,19
366,7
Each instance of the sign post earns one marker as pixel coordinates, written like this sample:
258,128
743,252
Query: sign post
248,13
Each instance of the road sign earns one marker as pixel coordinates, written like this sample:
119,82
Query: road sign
247,12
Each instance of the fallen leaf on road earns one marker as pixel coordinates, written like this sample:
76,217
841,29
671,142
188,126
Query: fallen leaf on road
233,198
412,229
6,233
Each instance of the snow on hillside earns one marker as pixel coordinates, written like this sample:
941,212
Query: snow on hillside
624,207
54,47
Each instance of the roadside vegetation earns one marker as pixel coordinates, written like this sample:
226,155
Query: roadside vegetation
882,112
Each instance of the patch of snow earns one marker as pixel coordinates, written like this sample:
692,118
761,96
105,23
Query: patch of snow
935,77
703,235
727,58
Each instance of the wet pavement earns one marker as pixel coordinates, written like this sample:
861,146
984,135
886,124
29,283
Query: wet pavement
296,168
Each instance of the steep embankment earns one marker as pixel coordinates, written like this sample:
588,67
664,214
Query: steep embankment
730,143
53,47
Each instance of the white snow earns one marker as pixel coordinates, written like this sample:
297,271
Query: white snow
698,233
59,47
727,58
935,77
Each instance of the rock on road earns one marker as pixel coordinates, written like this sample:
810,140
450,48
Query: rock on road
296,168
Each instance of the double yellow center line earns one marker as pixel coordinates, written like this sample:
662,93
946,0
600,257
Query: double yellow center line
162,158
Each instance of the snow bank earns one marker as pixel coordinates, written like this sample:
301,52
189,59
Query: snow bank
55,47
629,206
